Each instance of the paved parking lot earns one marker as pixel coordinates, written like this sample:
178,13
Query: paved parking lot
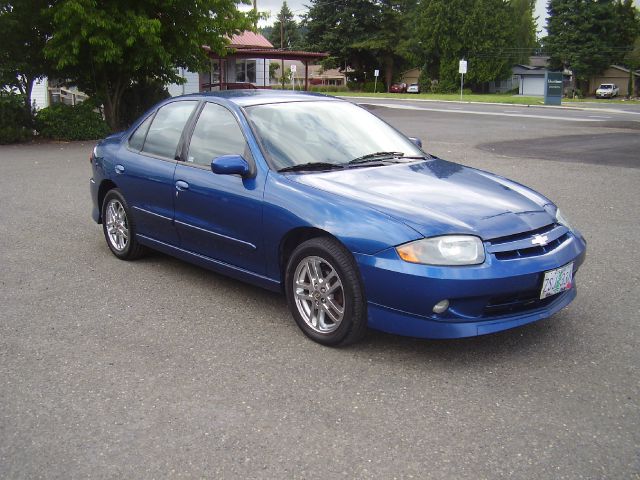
157,368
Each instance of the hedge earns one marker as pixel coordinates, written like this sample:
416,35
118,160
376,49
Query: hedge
65,122
15,121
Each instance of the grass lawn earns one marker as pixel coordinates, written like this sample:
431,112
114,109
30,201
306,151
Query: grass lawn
600,100
475,97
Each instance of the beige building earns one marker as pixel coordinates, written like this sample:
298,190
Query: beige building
410,76
619,76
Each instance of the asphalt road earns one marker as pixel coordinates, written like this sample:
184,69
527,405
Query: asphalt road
157,368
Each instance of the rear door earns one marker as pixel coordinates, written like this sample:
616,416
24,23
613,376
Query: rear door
219,216
146,169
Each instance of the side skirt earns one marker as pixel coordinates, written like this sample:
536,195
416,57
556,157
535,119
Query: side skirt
211,264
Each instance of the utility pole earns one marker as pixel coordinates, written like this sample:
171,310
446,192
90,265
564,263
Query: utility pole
255,10
282,46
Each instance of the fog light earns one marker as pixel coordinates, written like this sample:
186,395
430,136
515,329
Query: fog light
441,306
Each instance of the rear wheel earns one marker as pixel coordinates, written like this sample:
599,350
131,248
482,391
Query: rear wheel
325,293
118,226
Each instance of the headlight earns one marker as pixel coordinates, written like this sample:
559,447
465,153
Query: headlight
562,220
446,250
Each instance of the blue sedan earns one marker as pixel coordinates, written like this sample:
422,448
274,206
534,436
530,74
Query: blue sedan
317,197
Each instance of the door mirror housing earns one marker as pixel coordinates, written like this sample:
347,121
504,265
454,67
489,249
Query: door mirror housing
230,165
417,141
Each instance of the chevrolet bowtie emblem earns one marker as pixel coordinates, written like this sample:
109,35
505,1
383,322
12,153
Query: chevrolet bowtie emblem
541,240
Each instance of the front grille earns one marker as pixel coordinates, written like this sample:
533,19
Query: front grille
515,303
521,245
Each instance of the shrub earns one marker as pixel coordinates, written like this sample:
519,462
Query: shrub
64,122
445,87
15,121
367,87
139,98
328,88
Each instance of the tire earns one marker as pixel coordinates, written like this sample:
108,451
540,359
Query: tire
325,294
118,227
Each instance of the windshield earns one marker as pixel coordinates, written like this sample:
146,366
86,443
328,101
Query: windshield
324,133
606,87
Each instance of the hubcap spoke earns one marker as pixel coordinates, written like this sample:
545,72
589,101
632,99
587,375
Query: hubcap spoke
318,294
116,225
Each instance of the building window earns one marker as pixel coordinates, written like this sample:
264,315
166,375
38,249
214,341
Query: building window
246,71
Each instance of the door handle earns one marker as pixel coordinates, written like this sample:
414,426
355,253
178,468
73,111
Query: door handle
182,185
119,169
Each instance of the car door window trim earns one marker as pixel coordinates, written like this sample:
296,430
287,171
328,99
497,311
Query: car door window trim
185,150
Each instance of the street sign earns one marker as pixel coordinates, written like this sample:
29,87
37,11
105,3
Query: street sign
462,69
293,68
376,73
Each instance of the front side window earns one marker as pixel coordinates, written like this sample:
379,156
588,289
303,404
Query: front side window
166,129
217,133
246,71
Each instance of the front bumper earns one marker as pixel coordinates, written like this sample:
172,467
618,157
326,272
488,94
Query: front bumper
487,298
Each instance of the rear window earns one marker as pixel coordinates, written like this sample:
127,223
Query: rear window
136,141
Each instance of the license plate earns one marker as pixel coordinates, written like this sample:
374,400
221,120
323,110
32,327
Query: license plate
557,280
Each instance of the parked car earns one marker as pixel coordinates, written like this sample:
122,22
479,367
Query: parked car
607,90
398,88
413,88
319,198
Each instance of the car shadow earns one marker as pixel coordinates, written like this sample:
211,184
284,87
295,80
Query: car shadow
552,336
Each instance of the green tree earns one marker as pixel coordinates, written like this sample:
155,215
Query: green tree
291,38
106,47
390,41
632,60
337,27
362,34
588,36
524,30
25,27
480,31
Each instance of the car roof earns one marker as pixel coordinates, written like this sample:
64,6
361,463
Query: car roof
245,98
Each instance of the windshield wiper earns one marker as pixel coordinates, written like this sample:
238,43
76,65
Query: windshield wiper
311,166
376,157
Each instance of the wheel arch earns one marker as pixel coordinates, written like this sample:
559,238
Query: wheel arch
292,239
104,188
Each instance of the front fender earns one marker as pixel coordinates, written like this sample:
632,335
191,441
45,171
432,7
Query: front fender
290,205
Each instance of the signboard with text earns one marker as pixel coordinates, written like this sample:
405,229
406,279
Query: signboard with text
553,87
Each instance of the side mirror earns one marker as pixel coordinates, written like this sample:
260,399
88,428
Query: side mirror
230,165
417,141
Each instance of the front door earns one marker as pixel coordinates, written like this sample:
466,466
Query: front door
219,216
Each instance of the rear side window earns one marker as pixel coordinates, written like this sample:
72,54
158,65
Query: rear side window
137,139
166,129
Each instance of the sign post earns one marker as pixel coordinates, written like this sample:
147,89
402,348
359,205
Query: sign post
553,86
293,76
376,74
462,69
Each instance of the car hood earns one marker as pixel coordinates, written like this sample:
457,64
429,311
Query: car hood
437,197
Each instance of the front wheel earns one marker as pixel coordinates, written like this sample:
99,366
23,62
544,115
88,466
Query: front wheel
325,293
118,227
